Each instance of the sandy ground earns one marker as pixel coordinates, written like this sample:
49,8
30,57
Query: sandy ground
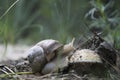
13,52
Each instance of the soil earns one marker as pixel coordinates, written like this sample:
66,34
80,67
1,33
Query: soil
15,66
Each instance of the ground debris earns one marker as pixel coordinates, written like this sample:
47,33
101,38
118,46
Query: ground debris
20,69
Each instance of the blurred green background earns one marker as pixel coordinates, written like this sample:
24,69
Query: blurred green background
30,21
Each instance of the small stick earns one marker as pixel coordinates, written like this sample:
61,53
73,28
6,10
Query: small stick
76,76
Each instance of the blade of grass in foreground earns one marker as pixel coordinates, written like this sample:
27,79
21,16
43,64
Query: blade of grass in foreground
5,28
8,9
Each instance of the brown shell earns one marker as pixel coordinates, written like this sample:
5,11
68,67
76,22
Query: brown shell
50,47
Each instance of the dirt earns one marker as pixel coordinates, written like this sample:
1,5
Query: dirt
21,67
13,52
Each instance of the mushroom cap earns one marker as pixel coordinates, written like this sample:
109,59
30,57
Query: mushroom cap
85,56
87,61
50,47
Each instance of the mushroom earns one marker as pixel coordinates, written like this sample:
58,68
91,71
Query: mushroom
86,61
85,55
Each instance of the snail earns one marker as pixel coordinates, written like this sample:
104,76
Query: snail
45,55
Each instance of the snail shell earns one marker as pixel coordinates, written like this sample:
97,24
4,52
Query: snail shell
51,47
36,58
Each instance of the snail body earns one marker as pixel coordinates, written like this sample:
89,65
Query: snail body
55,65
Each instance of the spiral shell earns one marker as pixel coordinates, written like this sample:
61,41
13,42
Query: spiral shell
51,47
36,58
